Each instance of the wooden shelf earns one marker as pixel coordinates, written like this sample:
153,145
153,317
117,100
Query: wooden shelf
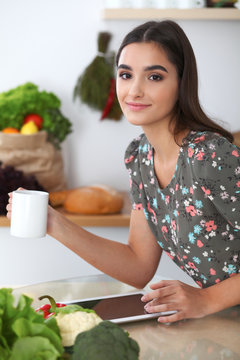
4,221
177,14
116,220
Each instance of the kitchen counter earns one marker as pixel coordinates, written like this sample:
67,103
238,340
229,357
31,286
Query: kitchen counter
121,219
213,337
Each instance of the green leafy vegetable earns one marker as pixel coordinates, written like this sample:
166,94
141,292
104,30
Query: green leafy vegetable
94,86
37,348
106,341
26,99
24,334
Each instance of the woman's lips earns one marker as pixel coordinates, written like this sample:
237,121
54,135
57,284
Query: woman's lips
137,106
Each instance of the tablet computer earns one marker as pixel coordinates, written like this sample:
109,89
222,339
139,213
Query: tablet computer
119,308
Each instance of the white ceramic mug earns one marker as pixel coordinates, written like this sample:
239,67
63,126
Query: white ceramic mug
29,213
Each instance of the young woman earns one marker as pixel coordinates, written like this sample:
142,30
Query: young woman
184,174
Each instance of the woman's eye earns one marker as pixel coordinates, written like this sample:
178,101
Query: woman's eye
125,75
155,77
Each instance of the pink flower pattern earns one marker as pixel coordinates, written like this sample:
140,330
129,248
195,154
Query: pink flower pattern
210,225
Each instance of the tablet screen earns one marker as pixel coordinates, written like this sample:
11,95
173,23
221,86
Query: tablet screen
119,308
116,307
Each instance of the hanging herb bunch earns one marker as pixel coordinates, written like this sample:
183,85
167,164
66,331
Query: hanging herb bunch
96,86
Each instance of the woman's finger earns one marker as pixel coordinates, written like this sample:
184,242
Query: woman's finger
9,207
160,307
163,283
165,295
171,318
150,296
161,289
159,284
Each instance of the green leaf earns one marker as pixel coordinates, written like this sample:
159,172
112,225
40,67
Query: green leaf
51,323
37,348
4,353
23,328
22,322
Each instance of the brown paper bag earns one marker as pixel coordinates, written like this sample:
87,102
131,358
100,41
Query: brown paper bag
34,155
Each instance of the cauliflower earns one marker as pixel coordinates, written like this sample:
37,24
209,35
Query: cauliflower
72,324
71,319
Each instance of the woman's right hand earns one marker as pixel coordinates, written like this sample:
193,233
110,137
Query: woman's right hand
9,205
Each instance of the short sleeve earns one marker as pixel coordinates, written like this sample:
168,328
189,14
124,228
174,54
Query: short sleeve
132,163
216,165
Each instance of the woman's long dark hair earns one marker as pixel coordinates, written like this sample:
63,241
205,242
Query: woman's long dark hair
170,36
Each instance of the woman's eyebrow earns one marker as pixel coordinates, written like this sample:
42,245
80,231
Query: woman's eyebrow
147,68
125,67
155,67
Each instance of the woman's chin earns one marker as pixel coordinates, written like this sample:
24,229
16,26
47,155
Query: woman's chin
136,119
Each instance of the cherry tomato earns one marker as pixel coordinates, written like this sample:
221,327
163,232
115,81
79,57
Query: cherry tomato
38,121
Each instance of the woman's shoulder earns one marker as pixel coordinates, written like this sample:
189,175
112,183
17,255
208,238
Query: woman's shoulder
211,155
136,146
206,145
203,137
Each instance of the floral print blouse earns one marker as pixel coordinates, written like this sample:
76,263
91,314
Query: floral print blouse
196,218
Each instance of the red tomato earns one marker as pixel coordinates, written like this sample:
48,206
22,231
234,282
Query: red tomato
35,118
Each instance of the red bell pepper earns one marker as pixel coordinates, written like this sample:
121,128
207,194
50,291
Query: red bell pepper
49,309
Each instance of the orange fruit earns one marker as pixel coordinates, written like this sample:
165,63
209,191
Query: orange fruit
10,130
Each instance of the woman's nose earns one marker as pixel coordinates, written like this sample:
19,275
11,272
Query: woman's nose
136,89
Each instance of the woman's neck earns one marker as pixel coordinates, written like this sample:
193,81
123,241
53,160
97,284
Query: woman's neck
163,142
165,151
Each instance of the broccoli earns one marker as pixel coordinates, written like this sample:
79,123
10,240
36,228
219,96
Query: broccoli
106,341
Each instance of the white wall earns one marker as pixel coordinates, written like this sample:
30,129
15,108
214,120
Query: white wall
50,42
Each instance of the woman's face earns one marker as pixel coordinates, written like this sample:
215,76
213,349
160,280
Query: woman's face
147,84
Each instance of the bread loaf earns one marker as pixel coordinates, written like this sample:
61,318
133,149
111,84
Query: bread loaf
98,199
58,198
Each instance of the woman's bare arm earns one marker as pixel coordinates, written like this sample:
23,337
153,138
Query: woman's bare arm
134,263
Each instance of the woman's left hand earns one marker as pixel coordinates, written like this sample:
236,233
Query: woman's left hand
168,295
